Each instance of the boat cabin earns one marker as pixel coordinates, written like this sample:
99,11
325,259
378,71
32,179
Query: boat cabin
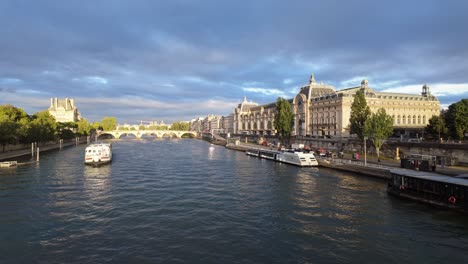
444,191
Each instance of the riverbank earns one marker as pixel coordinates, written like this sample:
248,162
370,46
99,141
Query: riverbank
372,168
42,147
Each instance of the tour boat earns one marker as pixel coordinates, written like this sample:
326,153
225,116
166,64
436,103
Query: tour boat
97,154
295,157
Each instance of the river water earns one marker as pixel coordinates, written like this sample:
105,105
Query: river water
187,201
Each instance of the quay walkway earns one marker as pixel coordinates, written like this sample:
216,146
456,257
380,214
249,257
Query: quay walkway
27,152
372,168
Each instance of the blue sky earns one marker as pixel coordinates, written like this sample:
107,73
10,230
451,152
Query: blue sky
179,59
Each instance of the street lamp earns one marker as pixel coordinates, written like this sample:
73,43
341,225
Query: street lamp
365,151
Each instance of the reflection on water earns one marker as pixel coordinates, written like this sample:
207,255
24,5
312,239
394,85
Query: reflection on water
97,178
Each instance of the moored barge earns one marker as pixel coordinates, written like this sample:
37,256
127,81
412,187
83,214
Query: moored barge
441,191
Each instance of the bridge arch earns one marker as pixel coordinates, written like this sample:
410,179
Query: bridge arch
169,134
140,133
105,134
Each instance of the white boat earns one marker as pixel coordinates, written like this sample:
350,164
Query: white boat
6,164
297,157
99,153
252,152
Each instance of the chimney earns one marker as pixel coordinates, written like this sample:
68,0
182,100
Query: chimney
56,102
51,102
66,103
72,103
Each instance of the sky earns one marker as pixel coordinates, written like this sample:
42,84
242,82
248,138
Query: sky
177,60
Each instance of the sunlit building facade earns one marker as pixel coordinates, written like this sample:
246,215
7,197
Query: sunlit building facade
321,111
64,110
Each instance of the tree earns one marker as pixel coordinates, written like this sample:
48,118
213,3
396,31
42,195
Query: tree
182,126
13,122
457,119
84,127
284,119
42,127
65,130
109,123
436,127
96,126
378,127
360,112
142,127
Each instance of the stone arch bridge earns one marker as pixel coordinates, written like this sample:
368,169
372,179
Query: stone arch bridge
140,133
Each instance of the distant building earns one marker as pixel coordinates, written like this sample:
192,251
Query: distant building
321,111
64,110
227,123
196,124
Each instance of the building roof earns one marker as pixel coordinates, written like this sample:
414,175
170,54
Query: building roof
314,89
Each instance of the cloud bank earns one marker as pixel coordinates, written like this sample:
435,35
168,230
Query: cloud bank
176,60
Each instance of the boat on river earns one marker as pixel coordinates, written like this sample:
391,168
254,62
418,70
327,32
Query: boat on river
98,154
296,157
434,189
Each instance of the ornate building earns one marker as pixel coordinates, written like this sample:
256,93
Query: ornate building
64,110
321,111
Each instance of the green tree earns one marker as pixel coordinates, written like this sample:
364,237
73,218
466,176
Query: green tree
96,126
436,127
284,119
84,127
13,122
378,127
457,119
109,123
182,126
42,127
360,112
142,127
65,130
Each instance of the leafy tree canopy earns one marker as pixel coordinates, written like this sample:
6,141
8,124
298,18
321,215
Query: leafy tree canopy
436,127
109,123
183,126
457,119
43,127
378,127
84,127
13,124
284,118
360,112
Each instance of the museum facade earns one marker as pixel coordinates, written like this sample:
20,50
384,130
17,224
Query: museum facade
321,111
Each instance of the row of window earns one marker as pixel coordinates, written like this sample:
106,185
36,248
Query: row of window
407,120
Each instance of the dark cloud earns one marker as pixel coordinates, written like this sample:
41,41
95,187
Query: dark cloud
195,51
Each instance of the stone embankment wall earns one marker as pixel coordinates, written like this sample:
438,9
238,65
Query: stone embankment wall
457,152
16,147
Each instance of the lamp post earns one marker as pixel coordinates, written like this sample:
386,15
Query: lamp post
365,152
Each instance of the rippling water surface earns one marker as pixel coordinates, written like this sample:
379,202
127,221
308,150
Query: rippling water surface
186,201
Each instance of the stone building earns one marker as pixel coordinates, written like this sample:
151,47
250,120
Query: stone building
321,111
227,123
196,124
64,110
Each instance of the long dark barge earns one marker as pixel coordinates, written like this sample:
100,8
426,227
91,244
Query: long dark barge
434,189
